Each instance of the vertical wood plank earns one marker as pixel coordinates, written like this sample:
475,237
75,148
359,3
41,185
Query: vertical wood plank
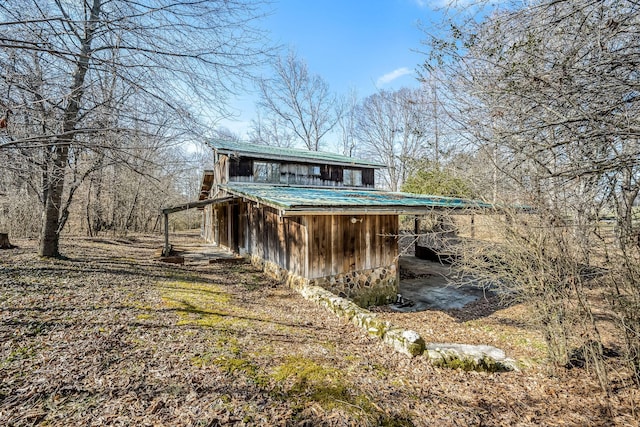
336,254
358,244
347,241
260,234
386,240
377,250
229,225
328,261
253,226
367,241
298,249
324,249
305,246
313,246
281,243
271,236
395,229
289,245
293,243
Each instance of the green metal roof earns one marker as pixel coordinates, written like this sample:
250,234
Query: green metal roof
294,200
290,154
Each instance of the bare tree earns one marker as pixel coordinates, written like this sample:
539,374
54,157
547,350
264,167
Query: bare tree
226,134
347,123
549,94
302,100
392,129
552,87
271,129
161,60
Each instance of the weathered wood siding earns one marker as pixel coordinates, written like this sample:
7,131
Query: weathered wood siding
368,177
241,170
240,167
282,241
207,223
338,245
221,171
243,227
220,218
230,219
308,246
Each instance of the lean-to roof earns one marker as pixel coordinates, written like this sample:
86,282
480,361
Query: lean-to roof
304,200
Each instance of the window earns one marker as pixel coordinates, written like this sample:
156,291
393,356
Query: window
266,172
352,178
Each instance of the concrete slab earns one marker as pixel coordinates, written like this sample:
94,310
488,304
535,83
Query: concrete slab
431,286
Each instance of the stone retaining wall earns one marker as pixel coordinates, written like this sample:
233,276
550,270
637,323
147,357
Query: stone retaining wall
403,341
469,357
456,356
366,288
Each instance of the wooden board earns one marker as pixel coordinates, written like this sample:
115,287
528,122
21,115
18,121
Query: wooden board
338,244
313,246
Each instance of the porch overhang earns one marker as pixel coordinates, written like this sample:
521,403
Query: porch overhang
296,201
183,207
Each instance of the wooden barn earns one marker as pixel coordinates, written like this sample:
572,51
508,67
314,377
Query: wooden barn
309,217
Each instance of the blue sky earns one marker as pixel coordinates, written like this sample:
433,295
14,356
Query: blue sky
365,45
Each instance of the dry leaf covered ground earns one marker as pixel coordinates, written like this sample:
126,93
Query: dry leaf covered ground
108,336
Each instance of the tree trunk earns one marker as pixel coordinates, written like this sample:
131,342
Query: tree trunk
87,209
52,223
4,241
98,222
49,240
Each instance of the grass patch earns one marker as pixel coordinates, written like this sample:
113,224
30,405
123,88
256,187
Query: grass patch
248,368
306,383
307,380
21,353
195,303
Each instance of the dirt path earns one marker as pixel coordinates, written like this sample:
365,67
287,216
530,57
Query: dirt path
111,337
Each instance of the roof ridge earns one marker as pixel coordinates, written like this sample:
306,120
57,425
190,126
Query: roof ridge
286,152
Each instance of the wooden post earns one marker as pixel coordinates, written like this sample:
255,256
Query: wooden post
4,241
216,228
416,232
167,248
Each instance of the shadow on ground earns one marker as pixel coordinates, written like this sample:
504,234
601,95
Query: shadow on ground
429,285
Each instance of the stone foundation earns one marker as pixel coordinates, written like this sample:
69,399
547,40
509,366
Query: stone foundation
274,270
366,288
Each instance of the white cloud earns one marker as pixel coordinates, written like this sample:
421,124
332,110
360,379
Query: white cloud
395,74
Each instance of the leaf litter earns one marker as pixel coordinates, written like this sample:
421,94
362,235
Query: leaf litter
109,336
